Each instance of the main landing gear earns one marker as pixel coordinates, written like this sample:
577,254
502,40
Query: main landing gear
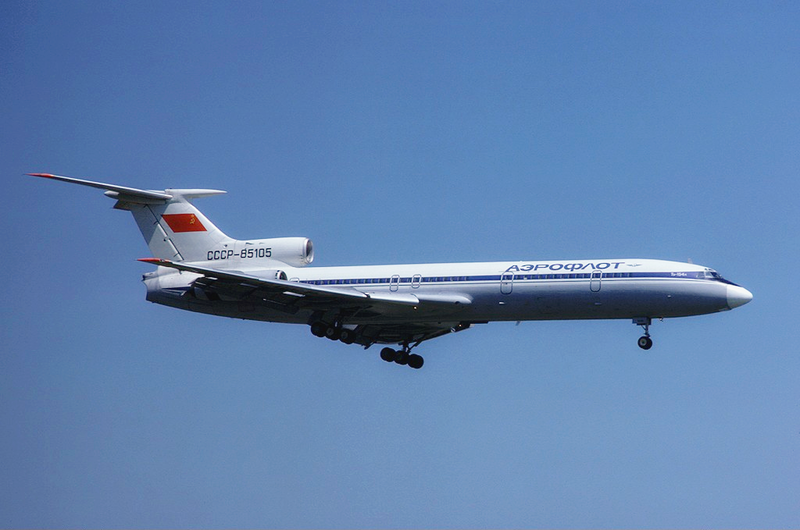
348,336
333,332
645,342
403,356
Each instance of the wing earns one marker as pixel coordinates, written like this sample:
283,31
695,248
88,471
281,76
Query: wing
379,317
316,295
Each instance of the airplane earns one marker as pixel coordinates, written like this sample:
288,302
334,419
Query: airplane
200,269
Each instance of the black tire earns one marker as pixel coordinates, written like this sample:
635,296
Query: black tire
401,357
645,342
415,361
333,332
318,329
348,336
388,354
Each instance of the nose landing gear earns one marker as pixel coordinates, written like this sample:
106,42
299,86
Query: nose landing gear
645,342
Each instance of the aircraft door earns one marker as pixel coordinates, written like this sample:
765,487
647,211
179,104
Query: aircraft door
595,282
507,282
394,283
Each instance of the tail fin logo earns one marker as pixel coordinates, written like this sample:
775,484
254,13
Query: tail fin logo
183,222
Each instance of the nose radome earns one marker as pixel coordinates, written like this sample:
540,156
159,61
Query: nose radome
738,296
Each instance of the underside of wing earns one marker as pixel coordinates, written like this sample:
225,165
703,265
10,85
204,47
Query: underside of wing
373,317
409,332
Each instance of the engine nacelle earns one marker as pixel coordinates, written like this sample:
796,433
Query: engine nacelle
273,275
294,251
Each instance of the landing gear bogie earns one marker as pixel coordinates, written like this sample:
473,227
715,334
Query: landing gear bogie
333,332
349,336
402,357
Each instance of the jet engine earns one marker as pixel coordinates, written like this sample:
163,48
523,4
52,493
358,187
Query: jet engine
294,251
273,275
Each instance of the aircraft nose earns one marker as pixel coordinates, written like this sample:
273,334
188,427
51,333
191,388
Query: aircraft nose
738,296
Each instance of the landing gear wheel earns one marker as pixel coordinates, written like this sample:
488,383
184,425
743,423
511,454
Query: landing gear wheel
645,342
415,361
348,336
318,329
401,357
333,333
388,354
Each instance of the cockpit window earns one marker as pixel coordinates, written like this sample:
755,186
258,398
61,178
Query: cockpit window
711,274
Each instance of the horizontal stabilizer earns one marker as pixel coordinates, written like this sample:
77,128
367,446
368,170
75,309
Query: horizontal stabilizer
130,194
134,195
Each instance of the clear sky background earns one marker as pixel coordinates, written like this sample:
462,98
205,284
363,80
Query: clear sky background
401,132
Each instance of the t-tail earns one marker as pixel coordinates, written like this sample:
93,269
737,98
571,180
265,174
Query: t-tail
176,230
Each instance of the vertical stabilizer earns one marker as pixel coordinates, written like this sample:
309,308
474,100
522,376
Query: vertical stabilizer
176,229
172,226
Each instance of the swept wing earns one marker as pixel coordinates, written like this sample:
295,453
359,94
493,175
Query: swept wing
372,312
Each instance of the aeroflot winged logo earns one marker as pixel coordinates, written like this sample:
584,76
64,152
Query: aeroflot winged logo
183,222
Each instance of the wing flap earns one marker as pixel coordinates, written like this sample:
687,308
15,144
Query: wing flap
397,298
440,298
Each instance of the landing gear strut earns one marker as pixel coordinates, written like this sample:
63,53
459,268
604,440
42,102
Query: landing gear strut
645,342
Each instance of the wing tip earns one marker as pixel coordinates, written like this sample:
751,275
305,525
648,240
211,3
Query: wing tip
44,175
156,261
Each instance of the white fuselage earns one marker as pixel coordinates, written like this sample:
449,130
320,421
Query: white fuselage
481,292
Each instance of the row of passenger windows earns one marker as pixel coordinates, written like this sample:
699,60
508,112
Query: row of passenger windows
571,276
439,279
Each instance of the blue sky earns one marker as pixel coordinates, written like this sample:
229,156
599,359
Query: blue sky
400,132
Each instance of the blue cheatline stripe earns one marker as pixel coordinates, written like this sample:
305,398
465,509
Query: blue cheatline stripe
518,277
